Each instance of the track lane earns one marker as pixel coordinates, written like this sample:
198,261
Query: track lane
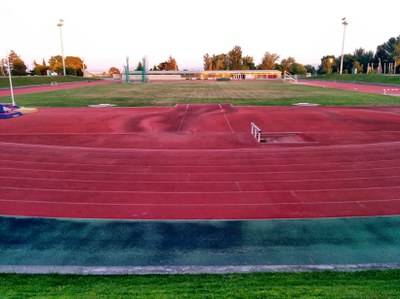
79,174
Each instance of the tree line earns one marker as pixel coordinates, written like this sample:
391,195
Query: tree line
74,66
386,59
234,60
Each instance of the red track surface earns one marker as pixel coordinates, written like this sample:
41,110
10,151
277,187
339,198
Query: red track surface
200,162
32,89
367,88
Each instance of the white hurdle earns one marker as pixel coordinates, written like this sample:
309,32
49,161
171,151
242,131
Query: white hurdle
255,131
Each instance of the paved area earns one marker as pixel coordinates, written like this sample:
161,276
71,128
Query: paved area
109,246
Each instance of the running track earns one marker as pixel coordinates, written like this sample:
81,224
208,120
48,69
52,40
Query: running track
200,162
44,88
357,87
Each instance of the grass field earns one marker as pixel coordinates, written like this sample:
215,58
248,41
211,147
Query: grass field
367,284
169,94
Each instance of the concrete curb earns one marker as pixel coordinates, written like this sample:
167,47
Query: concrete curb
168,270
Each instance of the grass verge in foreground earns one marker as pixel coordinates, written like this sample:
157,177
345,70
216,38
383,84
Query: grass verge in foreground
169,94
365,284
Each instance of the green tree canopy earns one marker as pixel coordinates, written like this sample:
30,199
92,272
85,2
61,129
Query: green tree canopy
208,62
310,69
220,62
397,54
3,67
55,64
40,69
328,65
74,65
235,58
248,63
268,61
113,70
139,66
17,65
363,57
387,51
169,65
286,64
298,69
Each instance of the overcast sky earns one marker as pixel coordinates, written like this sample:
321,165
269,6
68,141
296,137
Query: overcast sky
104,32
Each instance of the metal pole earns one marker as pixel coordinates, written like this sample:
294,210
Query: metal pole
127,74
344,22
9,78
60,24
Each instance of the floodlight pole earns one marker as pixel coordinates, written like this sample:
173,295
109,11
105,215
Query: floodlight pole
60,24
344,22
9,78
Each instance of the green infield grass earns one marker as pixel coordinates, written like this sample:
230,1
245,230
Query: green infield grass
366,284
169,94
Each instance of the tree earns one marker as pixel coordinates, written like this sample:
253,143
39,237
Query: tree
387,51
310,69
220,62
169,65
113,71
3,67
17,65
298,69
357,67
208,62
364,58
73,65
235,58
56,64
268,61
139,66
397,55
328,65
40,69
248,63
286,64
348,63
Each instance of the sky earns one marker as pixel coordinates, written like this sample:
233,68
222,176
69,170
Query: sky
105,32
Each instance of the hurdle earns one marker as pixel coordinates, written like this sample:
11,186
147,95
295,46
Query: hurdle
255,131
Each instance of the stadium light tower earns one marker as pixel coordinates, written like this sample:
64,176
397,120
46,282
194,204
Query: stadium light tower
344,22
60,24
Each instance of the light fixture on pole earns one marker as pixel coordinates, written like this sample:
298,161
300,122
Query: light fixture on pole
60,24
344,22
